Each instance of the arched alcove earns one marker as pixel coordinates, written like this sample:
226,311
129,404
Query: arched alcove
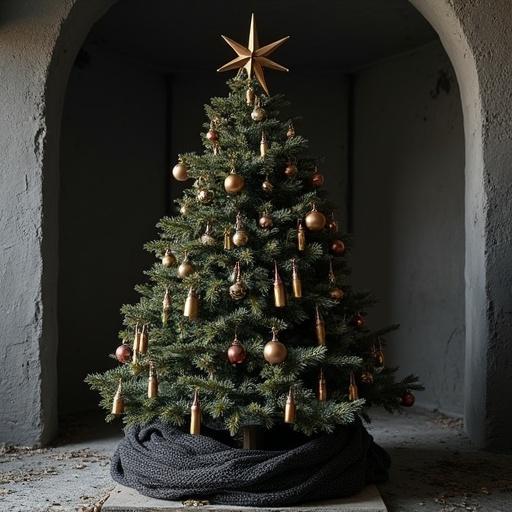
467,32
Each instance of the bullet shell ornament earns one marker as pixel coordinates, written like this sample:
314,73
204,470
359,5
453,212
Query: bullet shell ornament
195,415
166,309
250,96
301,237
279,291
228,241
322,387
143,340
191,308
296,281
290,408
353,391
118,401
274,351
136,338
152,381
263,145
315,220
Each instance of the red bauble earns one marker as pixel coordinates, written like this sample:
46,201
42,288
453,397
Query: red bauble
290,170
236,353
358,320
124,353
337,247
212,135
317,179
407,399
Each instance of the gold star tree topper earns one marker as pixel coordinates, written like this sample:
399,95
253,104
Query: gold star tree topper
253,58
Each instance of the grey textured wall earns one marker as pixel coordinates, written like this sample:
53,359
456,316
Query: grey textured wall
409,215
113,185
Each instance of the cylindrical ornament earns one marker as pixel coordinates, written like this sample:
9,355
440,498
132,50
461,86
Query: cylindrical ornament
249,96
118,402
263,145
353,392
191,308
279,291
166,309
136,338
290,409
322,387
296,282
301,237
143,340
320,328
228,242
195,416
152,381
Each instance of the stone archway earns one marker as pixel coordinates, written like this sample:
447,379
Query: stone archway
39,46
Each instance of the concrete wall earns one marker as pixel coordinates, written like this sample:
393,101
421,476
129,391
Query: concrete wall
113,188
323,121
409,215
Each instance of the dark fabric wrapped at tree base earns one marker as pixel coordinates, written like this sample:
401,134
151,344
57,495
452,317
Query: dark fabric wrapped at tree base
161,461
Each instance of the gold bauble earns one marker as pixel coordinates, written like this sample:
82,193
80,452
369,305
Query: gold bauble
185,269
207,239
336,294
265,221
183,209
258,114
240,237
267,186
234,183
315,220
275,352
180,172
168,260
238,290
204,196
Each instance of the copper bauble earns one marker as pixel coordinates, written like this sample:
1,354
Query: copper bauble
336,294
185,269
275,352
265,221
234,183
317,179
204,196
407,399
180,172
240,237
124,353
258,114
236,353
337,247
237,290
315,220
168,259
290,169
212,135
267,186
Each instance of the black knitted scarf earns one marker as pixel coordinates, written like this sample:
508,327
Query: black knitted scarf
162,462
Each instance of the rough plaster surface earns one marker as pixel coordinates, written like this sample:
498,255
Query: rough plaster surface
38,43
409,216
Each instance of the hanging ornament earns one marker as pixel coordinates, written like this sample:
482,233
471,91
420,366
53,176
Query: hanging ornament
136,339
204,196
180,171
124,353
317,179
322,387
191,308
212,135
166,310
378,355
265,221
186,268
290,170
238,290
240,238
320,328
290,409
184,208
296,281
335,293
358,321
258,114
152,381
234,183
206,237
337,248
291,131
118,402
249,96
353,392
407,399
367,377
315,220
263,145
236,352
195,415
332,224
228,242
301,236
144,339
168,259
267,186
279,291
274,351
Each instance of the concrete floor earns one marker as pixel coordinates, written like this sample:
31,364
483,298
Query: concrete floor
434,469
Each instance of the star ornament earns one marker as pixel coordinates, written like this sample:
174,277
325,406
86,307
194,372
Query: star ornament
253,58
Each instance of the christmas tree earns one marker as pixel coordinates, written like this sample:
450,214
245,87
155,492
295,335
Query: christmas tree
249,318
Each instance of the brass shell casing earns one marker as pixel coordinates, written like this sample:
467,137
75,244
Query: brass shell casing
296,282
195,416
290,409
322,387
136,338
353,392
143,340
152,382
118,402
320,328
166,309
249,96
279,291
228,242
191,308
263,145
301,238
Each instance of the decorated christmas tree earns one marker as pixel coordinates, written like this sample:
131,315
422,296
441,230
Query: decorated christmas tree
248,318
